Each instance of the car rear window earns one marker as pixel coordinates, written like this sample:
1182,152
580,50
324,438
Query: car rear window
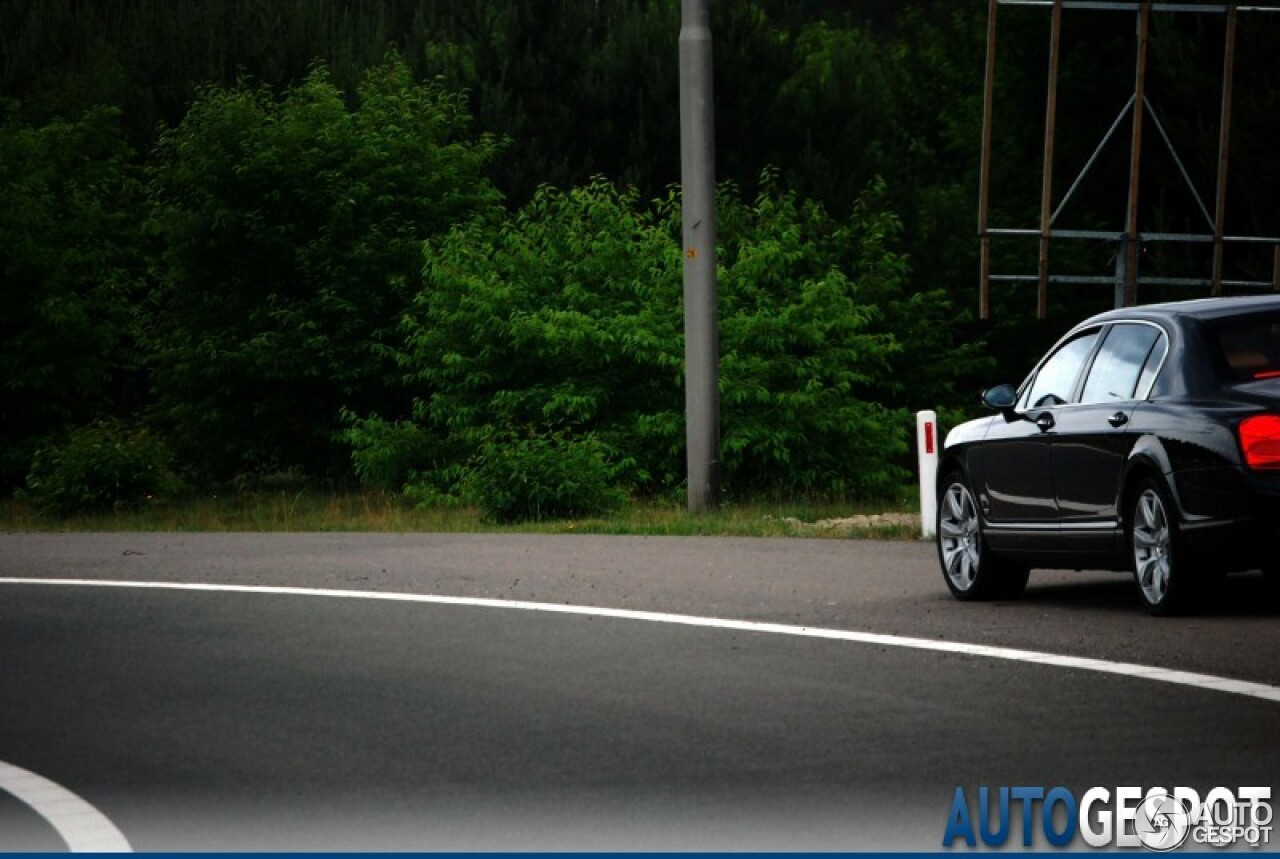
1250,346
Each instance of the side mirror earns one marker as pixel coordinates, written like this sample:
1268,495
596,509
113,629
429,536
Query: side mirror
1001,398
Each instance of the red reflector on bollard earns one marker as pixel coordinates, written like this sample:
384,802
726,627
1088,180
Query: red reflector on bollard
928,438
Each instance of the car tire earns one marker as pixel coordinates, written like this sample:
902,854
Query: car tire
971,570
1161,568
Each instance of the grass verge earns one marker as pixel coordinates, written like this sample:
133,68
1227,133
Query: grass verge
312,510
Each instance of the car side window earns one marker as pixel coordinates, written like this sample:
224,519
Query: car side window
1149,370
1057,376
1119,364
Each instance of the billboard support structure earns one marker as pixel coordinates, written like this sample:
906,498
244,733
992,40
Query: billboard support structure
1127,277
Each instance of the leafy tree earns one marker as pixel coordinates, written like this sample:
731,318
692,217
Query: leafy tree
302,170
70,261
804,347
291,230
840,98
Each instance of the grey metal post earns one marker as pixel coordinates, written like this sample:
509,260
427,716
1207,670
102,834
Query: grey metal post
701,340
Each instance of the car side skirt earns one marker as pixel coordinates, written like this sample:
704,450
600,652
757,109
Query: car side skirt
1094,546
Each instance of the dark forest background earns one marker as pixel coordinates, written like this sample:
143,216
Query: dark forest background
433,245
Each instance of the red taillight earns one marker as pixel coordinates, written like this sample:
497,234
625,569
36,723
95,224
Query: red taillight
1260,441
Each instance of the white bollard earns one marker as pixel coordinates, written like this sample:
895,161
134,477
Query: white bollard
927,444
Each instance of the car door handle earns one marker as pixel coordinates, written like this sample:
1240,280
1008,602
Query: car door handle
1119,419
1045,421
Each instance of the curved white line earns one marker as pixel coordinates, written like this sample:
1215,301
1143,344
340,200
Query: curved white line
79,824
1104,666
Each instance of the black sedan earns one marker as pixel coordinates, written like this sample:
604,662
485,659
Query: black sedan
1147,439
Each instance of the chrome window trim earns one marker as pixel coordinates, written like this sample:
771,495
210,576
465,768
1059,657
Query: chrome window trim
1056,526
1102,327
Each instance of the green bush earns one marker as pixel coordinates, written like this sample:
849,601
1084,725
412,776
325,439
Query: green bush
386,454
103,466
539,477
565,317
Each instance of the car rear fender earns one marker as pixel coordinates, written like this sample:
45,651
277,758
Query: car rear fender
1201,496
1147,458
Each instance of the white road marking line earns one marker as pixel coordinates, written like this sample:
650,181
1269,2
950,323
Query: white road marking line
79,824
1104,666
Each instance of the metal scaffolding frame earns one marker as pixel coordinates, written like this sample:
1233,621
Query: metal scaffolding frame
1126,278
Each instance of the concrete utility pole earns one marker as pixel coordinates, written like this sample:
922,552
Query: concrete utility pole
698,177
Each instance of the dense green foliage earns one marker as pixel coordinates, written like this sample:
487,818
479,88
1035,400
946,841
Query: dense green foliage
69,277
103,466
290,230
561,318
213,219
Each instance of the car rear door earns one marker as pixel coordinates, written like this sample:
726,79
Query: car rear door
1093,439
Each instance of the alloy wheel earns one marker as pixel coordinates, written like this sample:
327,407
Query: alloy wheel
1151,546
959,536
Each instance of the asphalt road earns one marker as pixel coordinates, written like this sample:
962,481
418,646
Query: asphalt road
214,720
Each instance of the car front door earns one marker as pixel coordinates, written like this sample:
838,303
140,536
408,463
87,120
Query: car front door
1017,494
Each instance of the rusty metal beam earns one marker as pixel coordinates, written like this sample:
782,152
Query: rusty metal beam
984,178
1224,148
1046,185
1102,5
1130,296
1105,280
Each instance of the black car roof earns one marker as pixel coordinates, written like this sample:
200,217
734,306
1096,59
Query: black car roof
1201,308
